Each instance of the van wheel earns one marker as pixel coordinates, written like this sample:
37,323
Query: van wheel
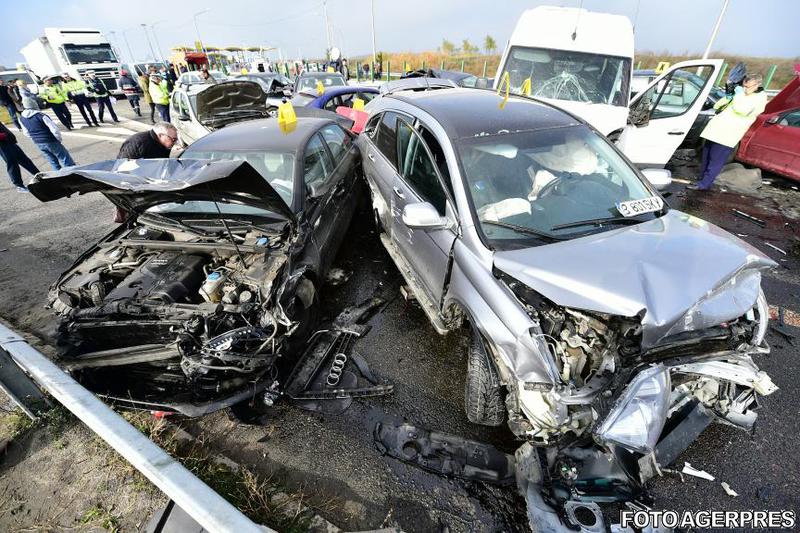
483,392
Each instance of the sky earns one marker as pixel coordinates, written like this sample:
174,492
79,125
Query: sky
750,27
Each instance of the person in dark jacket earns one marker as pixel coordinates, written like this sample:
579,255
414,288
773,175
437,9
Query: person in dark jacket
7,101
45,134
154,144
15,158
101,94
126,84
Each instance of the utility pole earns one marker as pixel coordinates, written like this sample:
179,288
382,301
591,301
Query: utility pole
372,10
149,44
716,29
327,27
124,36
197,31
158,45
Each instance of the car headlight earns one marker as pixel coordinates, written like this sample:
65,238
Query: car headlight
637,419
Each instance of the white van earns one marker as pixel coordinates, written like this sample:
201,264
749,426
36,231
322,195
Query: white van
581,61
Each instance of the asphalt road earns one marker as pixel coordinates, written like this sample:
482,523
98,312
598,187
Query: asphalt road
332,455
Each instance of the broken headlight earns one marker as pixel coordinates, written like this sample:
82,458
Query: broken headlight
637,419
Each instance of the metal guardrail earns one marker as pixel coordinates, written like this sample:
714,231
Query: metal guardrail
205,506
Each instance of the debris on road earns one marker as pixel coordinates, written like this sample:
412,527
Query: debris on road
444,454
728,490
337,276
739,179
775,248
751,218
691,471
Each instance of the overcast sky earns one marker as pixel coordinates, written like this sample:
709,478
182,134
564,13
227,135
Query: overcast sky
750,27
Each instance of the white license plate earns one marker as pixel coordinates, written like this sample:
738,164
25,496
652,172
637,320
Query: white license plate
631,208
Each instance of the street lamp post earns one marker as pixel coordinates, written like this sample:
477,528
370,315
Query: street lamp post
130,52
197,31
327,27
372,11
158,45
716,29
149,44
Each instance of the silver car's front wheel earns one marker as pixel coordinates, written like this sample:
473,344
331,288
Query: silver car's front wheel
483,392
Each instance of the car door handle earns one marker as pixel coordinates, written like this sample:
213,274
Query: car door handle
673,132
398,192
371,157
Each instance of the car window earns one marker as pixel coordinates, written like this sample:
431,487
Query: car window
337,140
418,168
317,165
333,103
175,104
372,125
675,94
791,119
437,152
366,96
386,139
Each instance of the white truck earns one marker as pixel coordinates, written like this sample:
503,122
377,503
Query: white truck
75,51
582,62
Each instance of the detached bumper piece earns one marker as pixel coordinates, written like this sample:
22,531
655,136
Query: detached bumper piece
444,454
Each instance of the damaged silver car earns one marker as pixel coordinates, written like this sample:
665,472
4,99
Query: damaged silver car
607,329
208,293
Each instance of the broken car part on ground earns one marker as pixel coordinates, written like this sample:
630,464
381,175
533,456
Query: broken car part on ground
609,340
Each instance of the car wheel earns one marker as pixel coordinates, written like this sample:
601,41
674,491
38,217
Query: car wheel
483,392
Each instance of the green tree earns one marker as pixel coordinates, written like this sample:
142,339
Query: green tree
447,47
489,45
467,47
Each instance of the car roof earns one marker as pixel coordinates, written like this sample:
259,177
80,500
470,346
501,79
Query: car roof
476,112
347,89
260,134
308,74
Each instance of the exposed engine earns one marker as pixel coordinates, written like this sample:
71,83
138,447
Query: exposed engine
197,316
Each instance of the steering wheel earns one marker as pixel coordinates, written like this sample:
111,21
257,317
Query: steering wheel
580,188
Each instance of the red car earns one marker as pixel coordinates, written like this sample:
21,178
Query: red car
773,141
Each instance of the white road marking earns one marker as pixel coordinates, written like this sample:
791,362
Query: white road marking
136,124
115,129
91,136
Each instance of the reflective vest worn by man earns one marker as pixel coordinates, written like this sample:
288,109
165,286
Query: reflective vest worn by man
56,95
76,91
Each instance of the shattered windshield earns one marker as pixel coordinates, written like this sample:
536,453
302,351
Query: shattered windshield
548,185
276,168
566,75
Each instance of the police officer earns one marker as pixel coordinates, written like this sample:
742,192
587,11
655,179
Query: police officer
160,95
76,91
55,95
96,87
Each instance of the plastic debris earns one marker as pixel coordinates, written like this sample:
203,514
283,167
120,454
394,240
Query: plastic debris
728,490
775,248
689,470
751,218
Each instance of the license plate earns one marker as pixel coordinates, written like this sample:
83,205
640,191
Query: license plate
631,208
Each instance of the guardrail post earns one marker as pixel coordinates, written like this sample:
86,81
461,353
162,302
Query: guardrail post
484,69
770,74
462,65
372,71
639,65
388,70
722,72
423,65
442,65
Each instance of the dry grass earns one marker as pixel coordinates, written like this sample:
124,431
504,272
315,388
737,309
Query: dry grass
255,495
474,64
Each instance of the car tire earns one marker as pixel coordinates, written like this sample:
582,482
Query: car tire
483,392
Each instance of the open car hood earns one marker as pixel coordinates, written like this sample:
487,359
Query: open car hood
228,98
678,272
138,184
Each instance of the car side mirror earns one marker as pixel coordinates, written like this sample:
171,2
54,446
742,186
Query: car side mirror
184,116
774,119
660,178
423,215
482,83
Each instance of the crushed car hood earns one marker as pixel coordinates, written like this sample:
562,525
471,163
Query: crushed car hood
228,98
138,184
678,272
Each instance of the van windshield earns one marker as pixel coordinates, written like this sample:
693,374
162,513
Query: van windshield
89,53
567,75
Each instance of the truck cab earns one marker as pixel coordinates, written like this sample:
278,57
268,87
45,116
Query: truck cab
76,51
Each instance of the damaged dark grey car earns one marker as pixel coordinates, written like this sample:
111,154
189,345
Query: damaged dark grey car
607,328
209,290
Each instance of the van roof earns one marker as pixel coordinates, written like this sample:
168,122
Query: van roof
553,27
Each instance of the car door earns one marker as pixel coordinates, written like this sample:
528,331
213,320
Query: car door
662,114
419,179
776,145
380,163
180,125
